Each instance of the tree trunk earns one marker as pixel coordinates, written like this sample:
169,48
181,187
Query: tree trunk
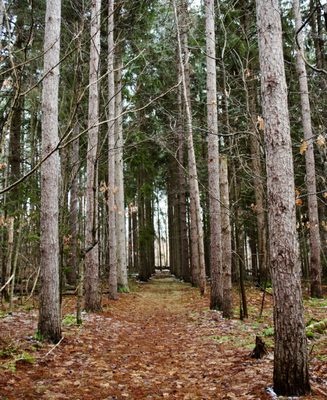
184,240
73,211
315,264
111,159
92,297
49,309
226,241
216,297
119,171
291,376
198,263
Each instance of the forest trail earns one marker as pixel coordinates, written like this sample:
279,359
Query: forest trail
158,342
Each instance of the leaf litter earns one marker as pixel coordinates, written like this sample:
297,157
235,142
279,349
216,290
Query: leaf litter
158,342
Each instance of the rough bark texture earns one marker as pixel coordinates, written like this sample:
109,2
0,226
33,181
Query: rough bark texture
111,158
92,298
315,265
290,353
119,171
198,263
73,211
259,192
216,298
226,240
184,240
49,309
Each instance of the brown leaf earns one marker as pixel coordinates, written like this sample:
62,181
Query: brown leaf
303,147
261,123
321,141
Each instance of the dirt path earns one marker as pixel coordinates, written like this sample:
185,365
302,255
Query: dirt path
156,343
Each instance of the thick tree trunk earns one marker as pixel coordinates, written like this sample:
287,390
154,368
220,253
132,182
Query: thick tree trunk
315,264
111,159
290,355
49,310
216,297
119,171
92,297
226,241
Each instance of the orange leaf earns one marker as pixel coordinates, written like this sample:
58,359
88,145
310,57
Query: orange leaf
261,123
298,202
303,147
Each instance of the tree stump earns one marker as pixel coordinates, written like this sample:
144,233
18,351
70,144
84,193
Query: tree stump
260,349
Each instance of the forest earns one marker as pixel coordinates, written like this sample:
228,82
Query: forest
163,198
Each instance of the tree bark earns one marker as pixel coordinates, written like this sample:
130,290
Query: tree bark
291,376
216,296
198,263
113,294
91,279
315,264
226,241
122,278
49,308
73,211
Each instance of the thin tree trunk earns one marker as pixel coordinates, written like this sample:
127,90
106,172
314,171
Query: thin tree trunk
49,309
92,297
14,266
315,264
198,263
119,171
216,297
10,251
226,241
73,211
184,240
113,294
291,376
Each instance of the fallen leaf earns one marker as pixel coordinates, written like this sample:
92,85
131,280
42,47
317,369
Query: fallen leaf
321,141
303,147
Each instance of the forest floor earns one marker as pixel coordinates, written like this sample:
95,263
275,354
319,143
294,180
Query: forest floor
159,341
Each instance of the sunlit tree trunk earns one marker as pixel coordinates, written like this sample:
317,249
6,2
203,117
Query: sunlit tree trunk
290,353
216,298
92,297
315,264
49,324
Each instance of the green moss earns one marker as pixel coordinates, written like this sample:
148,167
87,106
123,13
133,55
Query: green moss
69,320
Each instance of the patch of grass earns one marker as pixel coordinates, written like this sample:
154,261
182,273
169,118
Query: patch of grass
9,351
321,357
123,289
314,302
3,314
268,331
221,339
310,334
23,357
38,336
69,320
